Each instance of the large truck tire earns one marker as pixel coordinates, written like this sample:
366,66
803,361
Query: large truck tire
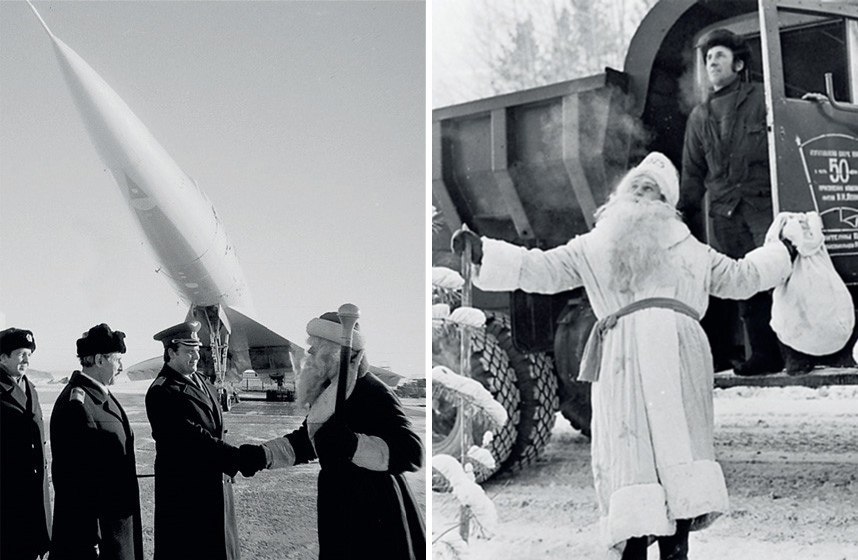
573,329
490,366
537,386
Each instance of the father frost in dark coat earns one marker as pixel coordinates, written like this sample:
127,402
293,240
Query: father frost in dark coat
25,507
97,500
365,506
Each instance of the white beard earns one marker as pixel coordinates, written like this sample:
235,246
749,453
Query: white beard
316,373
636,231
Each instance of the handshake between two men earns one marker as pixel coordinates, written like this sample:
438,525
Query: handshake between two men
333,442
364,445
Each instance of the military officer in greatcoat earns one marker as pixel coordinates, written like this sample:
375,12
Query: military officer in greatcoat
96,497
194,466
25,507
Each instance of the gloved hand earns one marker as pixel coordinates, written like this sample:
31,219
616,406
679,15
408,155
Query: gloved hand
813,96
335,441
457,243
793,252
802,229
251,459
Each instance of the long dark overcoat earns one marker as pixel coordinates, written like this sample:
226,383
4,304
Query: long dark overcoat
364,513
25,507
96,497
194,515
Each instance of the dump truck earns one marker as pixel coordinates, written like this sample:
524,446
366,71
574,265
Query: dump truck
531,167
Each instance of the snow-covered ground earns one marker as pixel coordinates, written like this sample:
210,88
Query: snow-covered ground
275,510
120,385
790,456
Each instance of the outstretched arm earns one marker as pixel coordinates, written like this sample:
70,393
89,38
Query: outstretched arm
507,267
760,270
292,449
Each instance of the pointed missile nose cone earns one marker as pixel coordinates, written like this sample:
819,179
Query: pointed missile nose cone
44,25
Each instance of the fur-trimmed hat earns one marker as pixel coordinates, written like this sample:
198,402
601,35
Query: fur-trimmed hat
660,169
729,40
11,339
328,326
100,339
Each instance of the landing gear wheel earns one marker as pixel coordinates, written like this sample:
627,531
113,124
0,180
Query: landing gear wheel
537,385
225,400
490,366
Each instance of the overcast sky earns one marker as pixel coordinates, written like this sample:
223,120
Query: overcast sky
302,122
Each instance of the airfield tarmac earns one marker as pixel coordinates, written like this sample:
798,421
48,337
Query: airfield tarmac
275,510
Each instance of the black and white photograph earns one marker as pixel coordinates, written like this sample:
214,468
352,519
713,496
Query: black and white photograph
456,279
644,270
213,293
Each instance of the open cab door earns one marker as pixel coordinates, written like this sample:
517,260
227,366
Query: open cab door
812,47
800,47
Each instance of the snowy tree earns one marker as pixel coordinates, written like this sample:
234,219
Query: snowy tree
520,44
477,514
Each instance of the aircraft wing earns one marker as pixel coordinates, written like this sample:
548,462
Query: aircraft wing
252,345
147,369
390,378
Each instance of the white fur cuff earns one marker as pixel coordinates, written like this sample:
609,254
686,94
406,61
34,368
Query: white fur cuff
279,453
773,263
501,267
694,489
372,453
635,511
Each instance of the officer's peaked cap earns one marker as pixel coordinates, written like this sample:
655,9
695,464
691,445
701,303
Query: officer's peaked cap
183,333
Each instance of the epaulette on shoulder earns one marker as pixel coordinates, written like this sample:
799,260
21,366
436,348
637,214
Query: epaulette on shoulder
77,394
160,380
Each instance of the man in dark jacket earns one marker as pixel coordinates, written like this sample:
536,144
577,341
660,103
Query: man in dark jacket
726,154
25,508
194,466
365,506
96,497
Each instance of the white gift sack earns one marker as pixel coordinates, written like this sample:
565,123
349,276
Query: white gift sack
812,311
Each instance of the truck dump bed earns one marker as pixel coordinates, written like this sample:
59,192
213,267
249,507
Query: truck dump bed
531,167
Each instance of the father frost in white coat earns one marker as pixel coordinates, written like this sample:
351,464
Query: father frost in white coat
652,447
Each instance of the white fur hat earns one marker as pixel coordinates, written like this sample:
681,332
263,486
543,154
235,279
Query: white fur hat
659,167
